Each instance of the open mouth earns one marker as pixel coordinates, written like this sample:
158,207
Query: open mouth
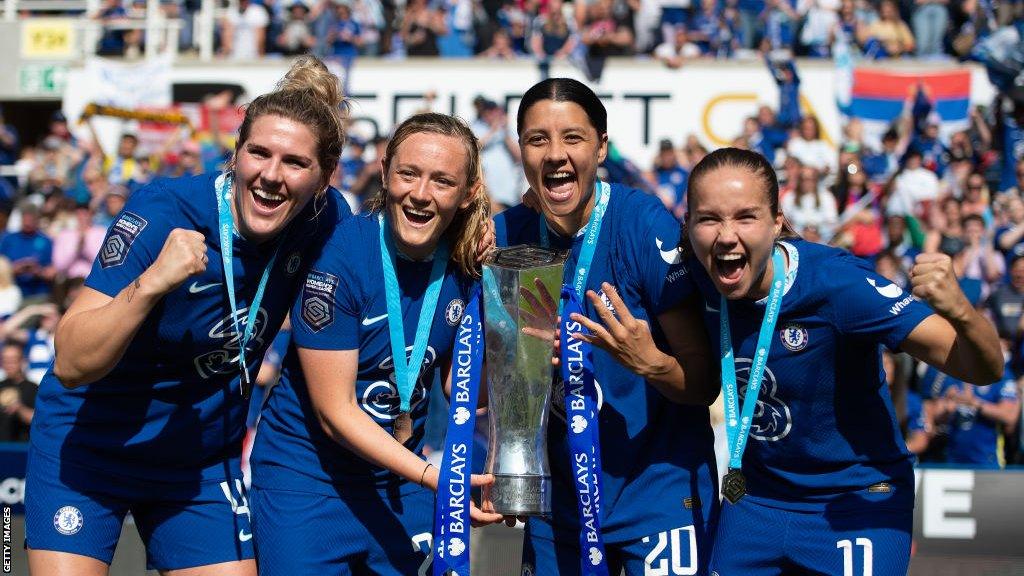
730,266
417,217
560,185
267,200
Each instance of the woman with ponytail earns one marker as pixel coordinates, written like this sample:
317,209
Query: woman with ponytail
143,410
339,480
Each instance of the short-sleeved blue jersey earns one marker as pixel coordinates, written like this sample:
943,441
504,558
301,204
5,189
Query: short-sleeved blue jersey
343,306
656,454
824,429
170,410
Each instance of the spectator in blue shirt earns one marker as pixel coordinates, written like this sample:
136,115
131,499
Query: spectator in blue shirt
30,252
672,178
977,417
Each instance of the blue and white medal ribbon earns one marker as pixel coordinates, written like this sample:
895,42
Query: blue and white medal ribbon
584,439
407,368
581,394
227,235
738,420
451,510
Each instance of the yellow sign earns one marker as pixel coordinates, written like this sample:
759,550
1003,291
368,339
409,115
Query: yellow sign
47,38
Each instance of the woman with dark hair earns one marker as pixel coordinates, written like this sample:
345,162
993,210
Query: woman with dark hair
826,481
143,410
339,479
656,487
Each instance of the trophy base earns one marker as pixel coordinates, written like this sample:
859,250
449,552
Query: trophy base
521,495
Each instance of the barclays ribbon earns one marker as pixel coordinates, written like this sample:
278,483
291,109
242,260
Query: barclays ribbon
602,192
451,510
407,368
737,419
584,439
227,234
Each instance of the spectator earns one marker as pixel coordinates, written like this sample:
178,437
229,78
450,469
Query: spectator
913,188
977,418
945,226
1007,302
810,206
501,47
113,17
788,80
9,142
345,37
553,36
1009,238
499,157
930,20
421,27
17,395
819,27
74,249
859,207
604,34
31,255
982,262
808,147
883,165
693,151
899,242
369,14
977,199
672,178
244,31
779,20
110,205
296,36
10,294
675,52
889,36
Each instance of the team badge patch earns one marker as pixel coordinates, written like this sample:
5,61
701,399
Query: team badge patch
294,261
794,337
68,520
453,313
120,237
318,300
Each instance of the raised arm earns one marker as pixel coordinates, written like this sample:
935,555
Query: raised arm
957,339
97,329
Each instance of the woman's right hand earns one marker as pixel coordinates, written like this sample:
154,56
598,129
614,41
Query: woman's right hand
183,255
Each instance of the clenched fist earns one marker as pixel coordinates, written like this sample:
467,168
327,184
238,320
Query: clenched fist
183,255
932,279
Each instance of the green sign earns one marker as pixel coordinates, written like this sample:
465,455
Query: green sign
42,79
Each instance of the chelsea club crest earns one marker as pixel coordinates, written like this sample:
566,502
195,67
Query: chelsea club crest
794,337
453,313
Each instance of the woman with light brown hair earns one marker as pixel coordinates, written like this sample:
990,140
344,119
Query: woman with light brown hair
338,452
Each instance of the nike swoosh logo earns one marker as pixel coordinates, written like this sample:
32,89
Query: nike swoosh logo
374,320
243,537
673,256
196,288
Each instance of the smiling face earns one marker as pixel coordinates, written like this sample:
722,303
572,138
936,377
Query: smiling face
427,184
276,175
732,230
561,152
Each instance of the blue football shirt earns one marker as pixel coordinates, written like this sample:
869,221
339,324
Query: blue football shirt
170,410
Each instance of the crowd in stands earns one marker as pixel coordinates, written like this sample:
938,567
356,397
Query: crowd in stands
910,191
584,31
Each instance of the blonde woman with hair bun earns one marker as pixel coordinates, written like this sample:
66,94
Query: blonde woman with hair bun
144,408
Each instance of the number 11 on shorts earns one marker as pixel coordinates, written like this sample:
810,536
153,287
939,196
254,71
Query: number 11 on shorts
847,548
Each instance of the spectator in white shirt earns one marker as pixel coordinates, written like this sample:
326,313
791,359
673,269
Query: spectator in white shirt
912,187
809,148
676,52
810,206
245,31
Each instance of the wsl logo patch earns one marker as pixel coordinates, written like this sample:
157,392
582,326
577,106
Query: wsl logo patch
318,300
453,312
772,420
794,337
68,520
120,237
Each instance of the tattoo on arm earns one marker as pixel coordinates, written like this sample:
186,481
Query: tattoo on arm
132,288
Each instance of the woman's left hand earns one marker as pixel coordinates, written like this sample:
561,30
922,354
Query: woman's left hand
483,514
487,241
626,338
932,279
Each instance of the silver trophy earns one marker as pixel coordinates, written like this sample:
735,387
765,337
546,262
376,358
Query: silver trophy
521,289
